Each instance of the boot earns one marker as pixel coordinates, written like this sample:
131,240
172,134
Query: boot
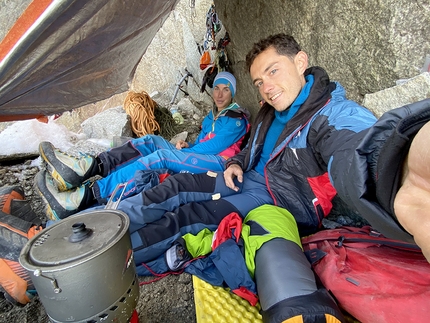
8,194
67,171
15,282
60,205
12,201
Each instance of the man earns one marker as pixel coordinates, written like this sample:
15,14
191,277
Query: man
222,133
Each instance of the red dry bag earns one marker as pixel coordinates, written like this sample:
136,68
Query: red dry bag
375,279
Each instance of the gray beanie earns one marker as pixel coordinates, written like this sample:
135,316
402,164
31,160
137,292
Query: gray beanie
227,79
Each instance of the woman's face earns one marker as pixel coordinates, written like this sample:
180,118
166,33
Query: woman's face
222,96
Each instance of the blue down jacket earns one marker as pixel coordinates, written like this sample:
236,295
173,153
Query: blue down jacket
334,146
297,171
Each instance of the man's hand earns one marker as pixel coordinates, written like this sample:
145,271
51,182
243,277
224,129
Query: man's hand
182,144
412,202
230,174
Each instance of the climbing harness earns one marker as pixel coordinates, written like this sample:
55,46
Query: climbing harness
221,59
213,26
213,56
219,64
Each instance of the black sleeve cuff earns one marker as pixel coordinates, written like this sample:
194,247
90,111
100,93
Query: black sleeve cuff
388,171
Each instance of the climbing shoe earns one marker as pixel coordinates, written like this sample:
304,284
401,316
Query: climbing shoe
15,282
67,171
60,205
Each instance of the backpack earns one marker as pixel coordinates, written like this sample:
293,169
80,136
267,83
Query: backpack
18,224
373,278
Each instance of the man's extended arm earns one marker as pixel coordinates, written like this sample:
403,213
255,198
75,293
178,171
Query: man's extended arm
412,201
385,177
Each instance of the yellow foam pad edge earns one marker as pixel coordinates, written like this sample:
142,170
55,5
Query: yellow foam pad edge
217,304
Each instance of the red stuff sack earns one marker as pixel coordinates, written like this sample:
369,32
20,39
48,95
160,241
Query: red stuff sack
375,279
205,60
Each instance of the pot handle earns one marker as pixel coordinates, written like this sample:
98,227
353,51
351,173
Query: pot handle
38,273
113,201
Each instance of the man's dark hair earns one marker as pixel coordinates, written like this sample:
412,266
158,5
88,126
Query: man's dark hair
284,44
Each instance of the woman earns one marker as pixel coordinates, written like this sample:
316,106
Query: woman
223,130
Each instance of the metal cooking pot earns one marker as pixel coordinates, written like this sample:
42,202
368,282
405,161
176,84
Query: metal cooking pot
83,268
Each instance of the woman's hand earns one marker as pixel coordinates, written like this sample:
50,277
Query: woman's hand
182,144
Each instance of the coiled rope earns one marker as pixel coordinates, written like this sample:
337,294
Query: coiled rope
140,107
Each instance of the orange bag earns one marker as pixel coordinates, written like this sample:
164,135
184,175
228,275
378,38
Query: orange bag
205,60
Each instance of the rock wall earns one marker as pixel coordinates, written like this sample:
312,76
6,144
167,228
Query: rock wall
9,13
172,51
408,91
366,45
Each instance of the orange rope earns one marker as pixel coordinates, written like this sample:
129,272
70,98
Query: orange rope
140,107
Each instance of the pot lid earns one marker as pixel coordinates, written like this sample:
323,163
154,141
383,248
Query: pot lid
75,239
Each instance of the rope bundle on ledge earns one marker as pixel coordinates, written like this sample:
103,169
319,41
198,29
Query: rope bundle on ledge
140,107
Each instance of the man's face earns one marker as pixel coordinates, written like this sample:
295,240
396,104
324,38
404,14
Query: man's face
278,78
222,96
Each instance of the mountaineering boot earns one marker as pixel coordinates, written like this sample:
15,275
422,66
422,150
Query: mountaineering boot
60,205
8,194
15,282
12,201
22,209
67,171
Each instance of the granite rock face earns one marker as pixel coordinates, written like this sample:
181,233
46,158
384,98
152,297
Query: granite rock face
408,91
107,124
9,13
173,51
365,45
